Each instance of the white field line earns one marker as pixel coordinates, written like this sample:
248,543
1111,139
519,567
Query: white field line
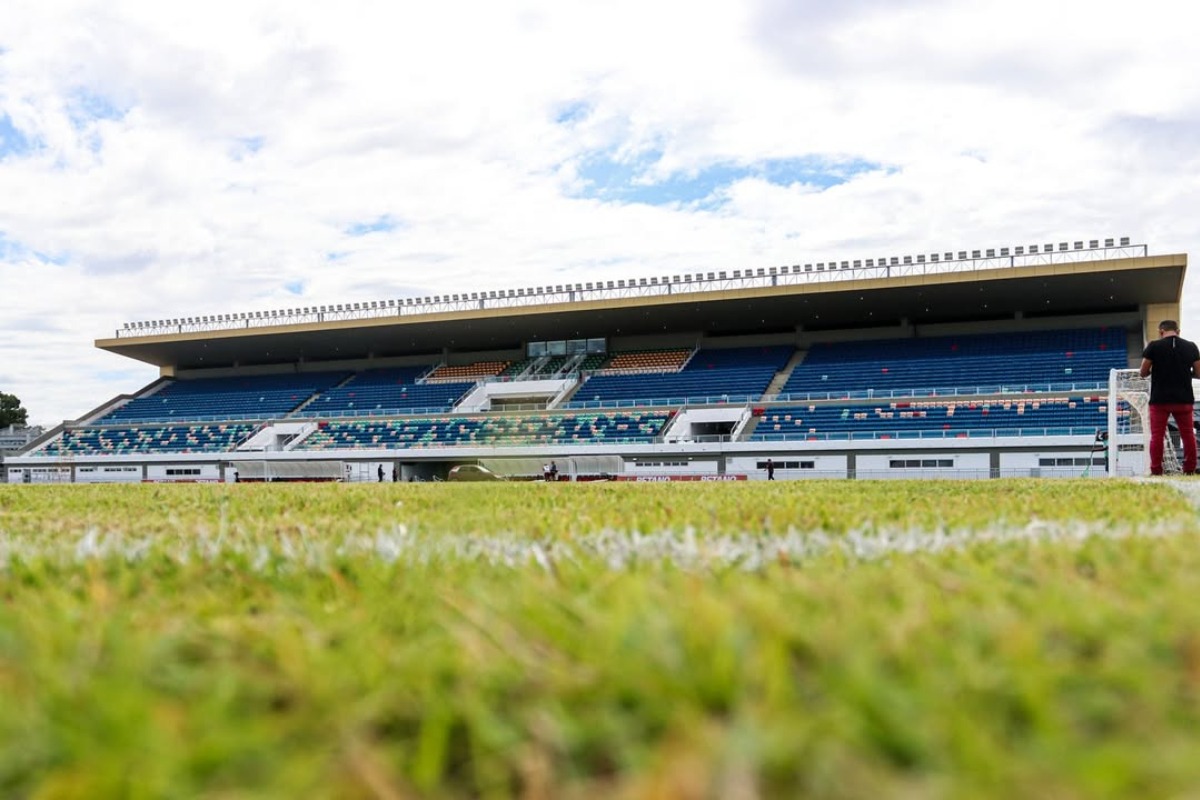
614,550
1188,487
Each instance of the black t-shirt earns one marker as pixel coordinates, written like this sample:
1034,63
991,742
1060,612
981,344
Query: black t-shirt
1171,376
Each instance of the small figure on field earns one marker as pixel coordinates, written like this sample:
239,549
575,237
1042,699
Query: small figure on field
381,473
553,471
395,475
545,472
1171,362
770,470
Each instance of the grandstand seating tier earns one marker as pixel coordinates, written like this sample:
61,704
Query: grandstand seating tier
234,398
537,429
1013,360
170,438
966,417
740,373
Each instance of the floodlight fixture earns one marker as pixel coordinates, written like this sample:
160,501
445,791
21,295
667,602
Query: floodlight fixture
1062,246
962,255
642,282
1003,251
1079,245
1093,244
921,259
1124,241
933,257
908,260
1019,250
991,253
1108,242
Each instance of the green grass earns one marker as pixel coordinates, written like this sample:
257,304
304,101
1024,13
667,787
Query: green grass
234,641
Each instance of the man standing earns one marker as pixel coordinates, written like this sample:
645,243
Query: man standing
770,470
1171,362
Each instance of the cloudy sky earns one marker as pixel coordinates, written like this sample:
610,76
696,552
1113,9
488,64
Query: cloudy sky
165,159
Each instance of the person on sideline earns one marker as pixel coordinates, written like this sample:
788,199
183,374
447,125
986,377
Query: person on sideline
770,470
1170,362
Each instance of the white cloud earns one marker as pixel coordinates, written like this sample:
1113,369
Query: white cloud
196,159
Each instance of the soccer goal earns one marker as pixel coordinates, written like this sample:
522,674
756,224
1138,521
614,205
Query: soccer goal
1129,426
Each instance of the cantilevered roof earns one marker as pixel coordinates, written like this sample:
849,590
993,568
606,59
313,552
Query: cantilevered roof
877,298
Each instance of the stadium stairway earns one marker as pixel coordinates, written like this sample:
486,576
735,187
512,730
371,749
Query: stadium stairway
299,410
777,383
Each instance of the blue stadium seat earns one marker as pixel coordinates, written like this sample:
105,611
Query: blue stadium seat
1002,416
241,398
981,363
737,374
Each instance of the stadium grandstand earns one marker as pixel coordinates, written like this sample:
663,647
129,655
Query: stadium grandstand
970,363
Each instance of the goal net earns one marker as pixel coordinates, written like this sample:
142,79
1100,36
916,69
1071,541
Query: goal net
1129,426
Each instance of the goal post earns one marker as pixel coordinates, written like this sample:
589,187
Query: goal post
1129,426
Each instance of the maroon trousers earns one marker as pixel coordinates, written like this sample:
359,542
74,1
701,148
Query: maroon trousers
1182,412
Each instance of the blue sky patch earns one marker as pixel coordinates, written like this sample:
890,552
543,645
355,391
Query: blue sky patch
246,146
571,113
12,141
294,287
610,179
382,224
11,250
85,107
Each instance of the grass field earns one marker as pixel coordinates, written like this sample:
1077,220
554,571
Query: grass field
825,639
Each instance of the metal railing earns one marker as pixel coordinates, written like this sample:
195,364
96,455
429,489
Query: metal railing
832,271
937,391
939,433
